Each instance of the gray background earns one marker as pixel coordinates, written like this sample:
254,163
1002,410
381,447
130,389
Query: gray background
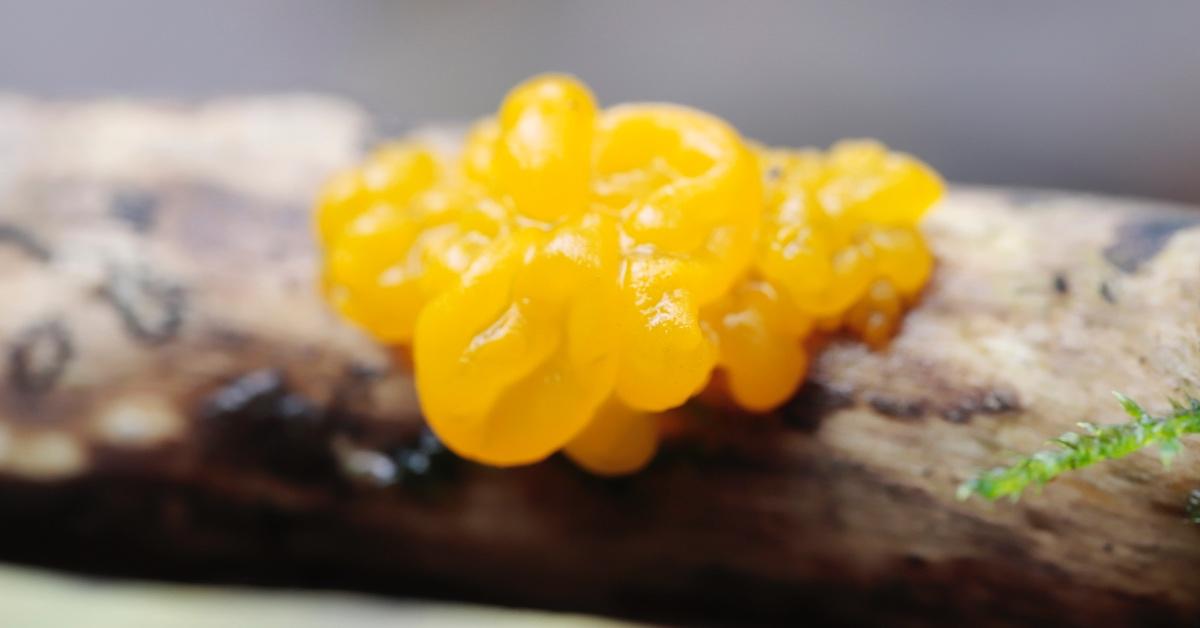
1091,95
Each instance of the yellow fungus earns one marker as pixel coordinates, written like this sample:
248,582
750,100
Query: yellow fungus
571,272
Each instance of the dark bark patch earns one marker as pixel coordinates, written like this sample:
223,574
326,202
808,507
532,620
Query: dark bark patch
258,420
813,403
251,396
421,462
1139,240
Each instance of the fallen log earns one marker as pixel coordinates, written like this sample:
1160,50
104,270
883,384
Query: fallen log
177,402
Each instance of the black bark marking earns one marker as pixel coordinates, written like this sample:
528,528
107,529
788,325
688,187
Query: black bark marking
39,356
897,408
258,420
26,242
1061,285
251,397
1139,240
422,463
138,208
152,308
994,401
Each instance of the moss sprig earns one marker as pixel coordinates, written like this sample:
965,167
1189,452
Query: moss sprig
1076,450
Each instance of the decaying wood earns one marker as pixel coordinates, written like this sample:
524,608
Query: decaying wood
177,402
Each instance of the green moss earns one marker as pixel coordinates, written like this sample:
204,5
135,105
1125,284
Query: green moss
1095,444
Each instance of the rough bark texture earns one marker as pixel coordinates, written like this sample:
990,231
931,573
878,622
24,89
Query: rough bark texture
177,402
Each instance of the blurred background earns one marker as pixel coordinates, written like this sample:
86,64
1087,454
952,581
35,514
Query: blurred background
1099,95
